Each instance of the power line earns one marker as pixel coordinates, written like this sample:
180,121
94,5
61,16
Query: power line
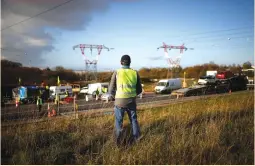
232,29
217,35
215,39
219,31
222,40
37,15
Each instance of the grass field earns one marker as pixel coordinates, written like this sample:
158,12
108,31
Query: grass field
218,130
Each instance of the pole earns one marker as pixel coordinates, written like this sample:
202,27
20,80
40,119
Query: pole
184,76
48,109
75,111
184,81
167,73
19,110
58,104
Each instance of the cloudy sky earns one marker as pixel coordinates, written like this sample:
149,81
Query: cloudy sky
42,32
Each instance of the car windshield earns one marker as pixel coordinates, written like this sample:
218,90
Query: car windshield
161,84
203,77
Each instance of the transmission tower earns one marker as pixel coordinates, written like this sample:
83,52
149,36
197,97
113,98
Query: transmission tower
175,61
91,65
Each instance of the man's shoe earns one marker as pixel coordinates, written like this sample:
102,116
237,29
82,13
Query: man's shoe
139,138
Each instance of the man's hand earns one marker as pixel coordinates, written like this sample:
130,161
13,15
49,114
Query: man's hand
111,98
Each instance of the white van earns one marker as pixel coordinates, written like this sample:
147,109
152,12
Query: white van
61,90
168,85
93,87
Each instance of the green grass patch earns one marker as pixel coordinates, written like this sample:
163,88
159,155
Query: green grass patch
217,130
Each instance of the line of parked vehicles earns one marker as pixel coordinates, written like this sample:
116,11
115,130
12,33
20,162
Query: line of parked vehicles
212,83
66,93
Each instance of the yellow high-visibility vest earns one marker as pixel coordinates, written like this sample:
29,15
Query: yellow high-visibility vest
39,101
126,83
56,99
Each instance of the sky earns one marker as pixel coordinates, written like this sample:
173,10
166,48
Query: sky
220,31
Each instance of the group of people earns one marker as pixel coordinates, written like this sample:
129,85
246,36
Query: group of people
39,101
103,89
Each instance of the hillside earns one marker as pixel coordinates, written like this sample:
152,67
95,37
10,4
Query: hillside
217,130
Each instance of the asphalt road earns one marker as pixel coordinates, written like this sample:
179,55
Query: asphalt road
29,112
25,107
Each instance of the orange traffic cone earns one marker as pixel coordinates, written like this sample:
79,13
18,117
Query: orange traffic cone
49,114
54,113
16,102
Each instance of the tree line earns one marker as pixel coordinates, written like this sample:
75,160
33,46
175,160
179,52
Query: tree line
13,71
195,71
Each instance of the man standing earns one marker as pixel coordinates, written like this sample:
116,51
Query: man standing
97,94
125,85
39,103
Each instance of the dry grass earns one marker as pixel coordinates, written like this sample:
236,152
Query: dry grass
218,130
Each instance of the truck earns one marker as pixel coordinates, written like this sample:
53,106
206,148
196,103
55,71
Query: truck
215,77
196,90
168,85
61,91
211,73
235,83
28,94
224,75
92,88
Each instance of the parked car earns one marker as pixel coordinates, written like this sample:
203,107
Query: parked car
84,90
69,99
206,80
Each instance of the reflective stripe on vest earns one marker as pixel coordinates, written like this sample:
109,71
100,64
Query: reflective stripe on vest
126,83
39,101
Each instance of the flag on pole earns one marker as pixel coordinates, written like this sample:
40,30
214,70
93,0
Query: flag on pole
58,81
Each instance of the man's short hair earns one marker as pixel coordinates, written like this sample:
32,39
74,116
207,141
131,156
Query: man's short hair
125,60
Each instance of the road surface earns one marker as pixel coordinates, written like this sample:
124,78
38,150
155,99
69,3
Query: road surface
91,107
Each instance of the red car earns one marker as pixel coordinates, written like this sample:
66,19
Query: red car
68,99
224,75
